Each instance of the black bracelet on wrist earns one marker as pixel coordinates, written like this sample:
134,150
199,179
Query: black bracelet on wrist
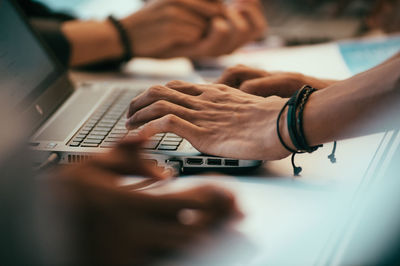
124,38
295,126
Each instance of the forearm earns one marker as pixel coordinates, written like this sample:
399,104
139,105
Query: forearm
92,41
364,104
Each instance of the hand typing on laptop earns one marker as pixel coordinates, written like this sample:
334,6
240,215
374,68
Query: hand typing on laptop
116,226
224,121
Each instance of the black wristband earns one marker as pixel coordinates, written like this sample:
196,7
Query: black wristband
291,120
124,38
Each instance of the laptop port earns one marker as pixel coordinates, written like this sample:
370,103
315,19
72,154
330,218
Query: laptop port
214,161
231,162
194,161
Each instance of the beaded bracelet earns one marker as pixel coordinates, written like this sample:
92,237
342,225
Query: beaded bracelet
124,38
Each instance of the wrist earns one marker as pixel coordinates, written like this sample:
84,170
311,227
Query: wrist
92,41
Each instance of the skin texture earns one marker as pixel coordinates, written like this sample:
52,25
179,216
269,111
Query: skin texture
114,226
216,119
224,121
262,83
169,28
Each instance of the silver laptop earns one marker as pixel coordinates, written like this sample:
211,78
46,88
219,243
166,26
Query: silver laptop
78,123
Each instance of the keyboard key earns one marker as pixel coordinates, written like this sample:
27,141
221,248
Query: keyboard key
92,145
171,142
151,145
84,132
101,124
167,147
74,144
81,135
92,141
99,133
120,131
103,129
88,128
77,139
116,135
173,138
95,137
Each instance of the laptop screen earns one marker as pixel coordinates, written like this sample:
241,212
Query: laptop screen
26,69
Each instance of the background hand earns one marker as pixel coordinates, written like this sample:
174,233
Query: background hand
162,24
240,23
216,119
263,83
113,226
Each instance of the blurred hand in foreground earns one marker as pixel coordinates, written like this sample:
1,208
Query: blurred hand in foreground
115,226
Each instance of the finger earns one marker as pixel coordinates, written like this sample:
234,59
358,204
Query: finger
185,87
253,14
157,93
172,123
205,8
240,28
157,110
236,75
214,43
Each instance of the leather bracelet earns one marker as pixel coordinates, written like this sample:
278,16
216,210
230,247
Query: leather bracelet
296,105
124,38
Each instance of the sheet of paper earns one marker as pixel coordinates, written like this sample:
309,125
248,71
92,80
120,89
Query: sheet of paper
364,54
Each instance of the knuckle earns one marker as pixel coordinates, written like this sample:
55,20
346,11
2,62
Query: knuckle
173,83
222,87
246,86
170,119
155,91
160,105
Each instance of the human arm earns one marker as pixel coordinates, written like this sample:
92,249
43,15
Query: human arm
224,121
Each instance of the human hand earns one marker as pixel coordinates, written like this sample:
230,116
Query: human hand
263,83
162,24
215,119
114,226
241,22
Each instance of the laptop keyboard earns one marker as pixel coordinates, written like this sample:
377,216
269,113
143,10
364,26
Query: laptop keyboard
106,126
